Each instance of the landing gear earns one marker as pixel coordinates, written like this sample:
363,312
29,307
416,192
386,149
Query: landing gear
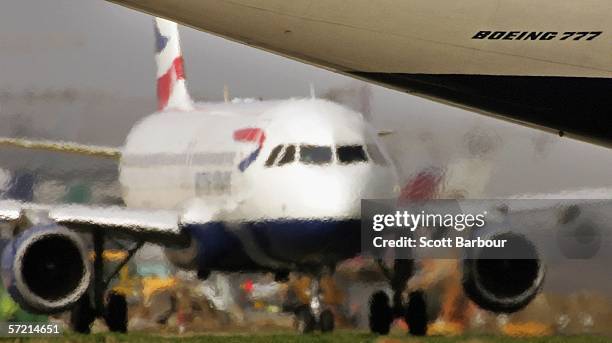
82,316
203,274
416,314
304,320
381,315
116,313
281,276
413,310
92,304
326,321
312,316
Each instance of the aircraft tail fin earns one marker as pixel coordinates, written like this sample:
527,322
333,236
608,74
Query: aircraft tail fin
171,84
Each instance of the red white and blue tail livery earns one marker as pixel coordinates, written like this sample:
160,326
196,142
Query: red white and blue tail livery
171,86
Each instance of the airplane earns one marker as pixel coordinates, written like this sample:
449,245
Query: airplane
258,186
545,64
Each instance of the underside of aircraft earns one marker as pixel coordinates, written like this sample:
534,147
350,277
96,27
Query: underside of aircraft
543,64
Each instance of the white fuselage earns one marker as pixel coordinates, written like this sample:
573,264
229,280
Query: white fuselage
190,161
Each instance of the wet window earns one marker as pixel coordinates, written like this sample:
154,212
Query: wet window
314,154
375,154
351,154
273,155
288,155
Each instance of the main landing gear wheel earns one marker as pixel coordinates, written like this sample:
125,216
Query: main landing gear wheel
116,313
413,310
416,314
381,315
82,316
92,305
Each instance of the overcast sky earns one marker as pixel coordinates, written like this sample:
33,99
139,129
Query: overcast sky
93,47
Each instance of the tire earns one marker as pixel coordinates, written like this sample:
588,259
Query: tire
116,313
416,314
326,322
82,316
304,320
380,317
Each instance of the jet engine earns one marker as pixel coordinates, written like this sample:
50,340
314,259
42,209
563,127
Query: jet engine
46,269
497,280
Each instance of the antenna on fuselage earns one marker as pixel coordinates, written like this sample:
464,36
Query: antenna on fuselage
313,94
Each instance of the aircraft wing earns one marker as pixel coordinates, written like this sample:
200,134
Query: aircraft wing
60,146
10,211
155,226
51,249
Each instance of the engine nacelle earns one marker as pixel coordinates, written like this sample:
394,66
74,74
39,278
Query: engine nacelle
504,285
46,269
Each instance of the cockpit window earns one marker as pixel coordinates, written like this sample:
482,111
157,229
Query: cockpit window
376,155
315,154
273,155
288,155
351,154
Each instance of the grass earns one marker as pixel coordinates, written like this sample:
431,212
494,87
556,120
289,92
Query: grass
341,336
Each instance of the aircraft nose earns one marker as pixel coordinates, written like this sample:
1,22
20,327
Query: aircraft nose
343,194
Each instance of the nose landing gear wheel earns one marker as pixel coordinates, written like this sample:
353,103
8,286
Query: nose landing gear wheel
326,321
312,316
381,315
304,320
